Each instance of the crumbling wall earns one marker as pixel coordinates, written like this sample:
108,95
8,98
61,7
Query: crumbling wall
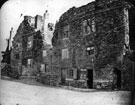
108,40
111,30
37,47
16,63
76,43
34,52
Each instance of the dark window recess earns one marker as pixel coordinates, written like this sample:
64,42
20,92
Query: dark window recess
66,34
46,66
17,56
131,29
90,50
70,73
56,35
65,31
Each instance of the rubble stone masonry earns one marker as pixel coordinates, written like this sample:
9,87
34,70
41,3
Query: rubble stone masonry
90,47
96,38
27,46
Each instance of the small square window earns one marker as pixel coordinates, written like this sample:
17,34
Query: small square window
44,53
88,26
66,31
65,54
90,50
29,62
17,56
93,27
83,74
69,73
42,68
30,42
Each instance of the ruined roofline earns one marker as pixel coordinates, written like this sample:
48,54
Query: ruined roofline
73,12
28,16
25,18
74,9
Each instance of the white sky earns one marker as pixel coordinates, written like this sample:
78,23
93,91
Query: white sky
12,9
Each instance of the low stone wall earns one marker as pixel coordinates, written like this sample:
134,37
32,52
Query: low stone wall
76,83
49,79
109,85
29,71
96,85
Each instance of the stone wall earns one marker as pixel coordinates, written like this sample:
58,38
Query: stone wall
76,43
34,53
49,79
108,39
111,27
17,49
76,83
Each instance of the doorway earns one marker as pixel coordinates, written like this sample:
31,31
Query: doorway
117,74
131,28
90,78
63,76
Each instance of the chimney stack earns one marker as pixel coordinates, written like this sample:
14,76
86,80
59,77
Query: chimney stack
45,23
11,33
